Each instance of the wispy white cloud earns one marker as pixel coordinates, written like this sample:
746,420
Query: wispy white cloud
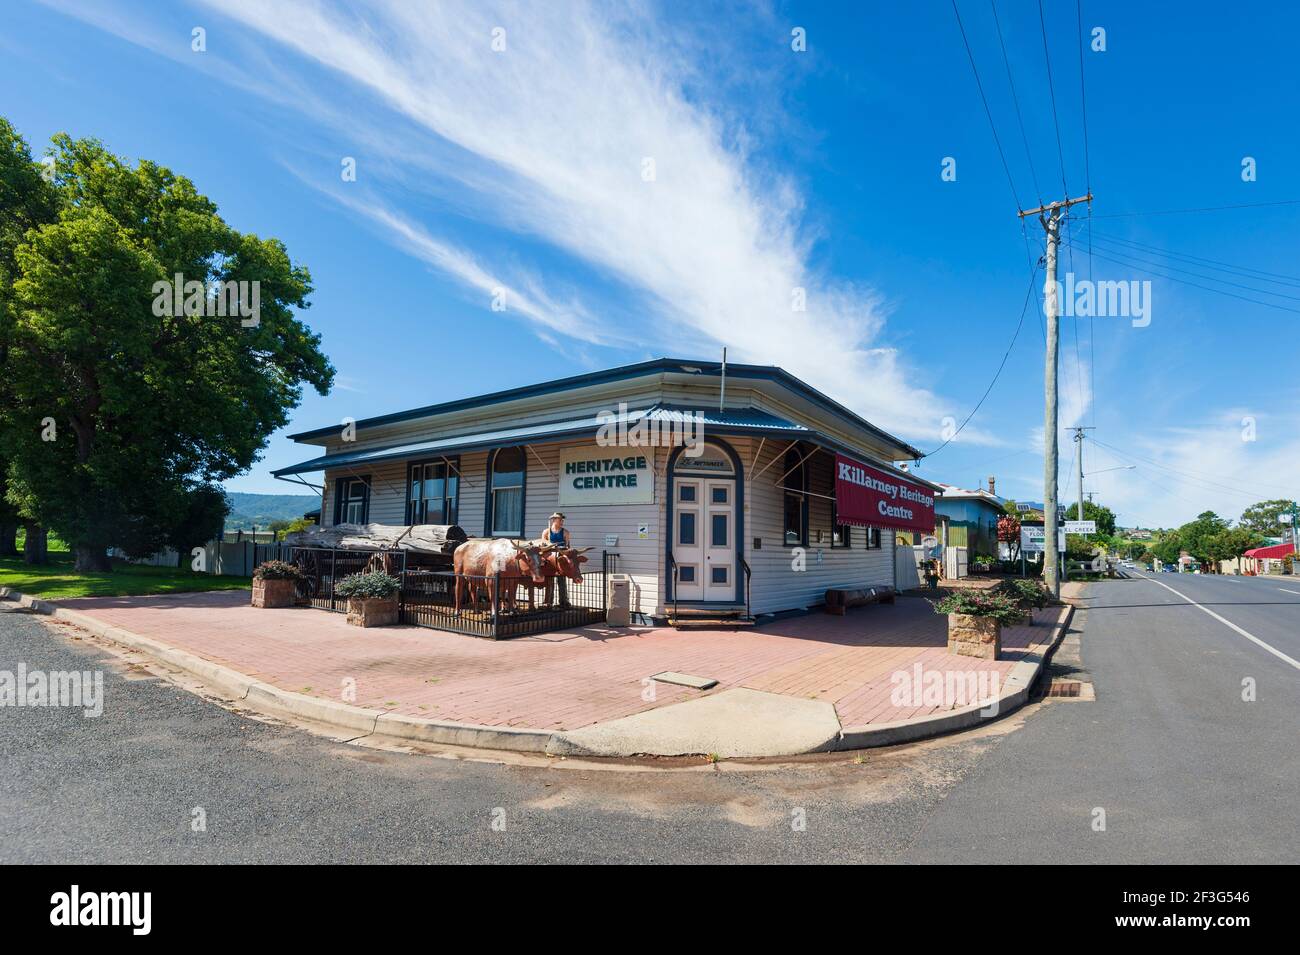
550,137
1223,462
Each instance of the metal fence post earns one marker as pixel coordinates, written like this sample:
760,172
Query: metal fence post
333,559
401,591
496,602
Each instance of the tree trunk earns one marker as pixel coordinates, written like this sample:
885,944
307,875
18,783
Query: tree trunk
92,559
9,539
36,548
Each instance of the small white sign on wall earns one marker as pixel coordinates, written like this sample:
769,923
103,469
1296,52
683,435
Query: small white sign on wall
595,475
611,540
643,531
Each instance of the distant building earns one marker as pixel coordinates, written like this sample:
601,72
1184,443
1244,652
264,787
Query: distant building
966,518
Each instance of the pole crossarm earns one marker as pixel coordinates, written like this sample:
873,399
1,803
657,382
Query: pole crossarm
1053,206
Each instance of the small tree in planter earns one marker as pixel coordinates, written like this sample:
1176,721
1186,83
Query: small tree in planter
1028,595
275,583
975,619
372,598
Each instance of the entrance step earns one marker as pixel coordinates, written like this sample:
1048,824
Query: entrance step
711,622
713,611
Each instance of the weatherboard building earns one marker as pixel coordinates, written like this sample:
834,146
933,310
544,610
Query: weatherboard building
755,491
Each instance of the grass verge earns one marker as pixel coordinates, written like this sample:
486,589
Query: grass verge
57,580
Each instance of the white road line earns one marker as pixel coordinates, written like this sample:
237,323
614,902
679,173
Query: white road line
1285,591
1228,623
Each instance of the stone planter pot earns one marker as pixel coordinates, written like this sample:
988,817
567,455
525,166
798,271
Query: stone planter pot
273,593
971,636
372,611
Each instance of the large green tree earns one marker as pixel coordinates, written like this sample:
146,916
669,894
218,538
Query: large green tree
124,410
1262,518
1093,511
26,201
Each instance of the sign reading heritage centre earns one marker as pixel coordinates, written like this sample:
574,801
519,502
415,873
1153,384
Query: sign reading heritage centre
868,496
605,476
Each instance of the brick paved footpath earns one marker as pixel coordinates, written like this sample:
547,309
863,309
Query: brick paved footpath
562,680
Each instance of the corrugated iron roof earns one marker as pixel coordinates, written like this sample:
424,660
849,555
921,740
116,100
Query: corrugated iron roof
733,421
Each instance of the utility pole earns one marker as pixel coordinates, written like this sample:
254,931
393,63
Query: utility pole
1078,437
1050,216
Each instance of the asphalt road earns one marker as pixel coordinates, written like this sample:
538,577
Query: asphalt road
1185,770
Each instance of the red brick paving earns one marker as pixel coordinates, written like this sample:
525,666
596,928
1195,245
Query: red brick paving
561,680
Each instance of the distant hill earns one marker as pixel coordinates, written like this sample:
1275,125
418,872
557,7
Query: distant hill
261,509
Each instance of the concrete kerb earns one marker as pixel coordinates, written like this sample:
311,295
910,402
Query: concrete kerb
1015,693
365,722
264,697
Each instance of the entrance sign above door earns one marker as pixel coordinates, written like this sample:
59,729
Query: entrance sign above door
605,476
872,497
710,460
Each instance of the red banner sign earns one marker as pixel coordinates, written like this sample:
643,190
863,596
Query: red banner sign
868,496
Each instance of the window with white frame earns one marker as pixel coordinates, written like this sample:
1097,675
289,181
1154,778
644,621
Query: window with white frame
433,492
352,500
507,493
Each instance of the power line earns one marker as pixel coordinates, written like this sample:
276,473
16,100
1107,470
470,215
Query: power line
1016,100
1171,212
1083,99
1207,288
1209,278
1029,292
1205,476
1276,278
1185,475
1087,172
1047,58
987,112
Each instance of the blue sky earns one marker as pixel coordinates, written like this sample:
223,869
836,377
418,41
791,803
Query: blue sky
523,169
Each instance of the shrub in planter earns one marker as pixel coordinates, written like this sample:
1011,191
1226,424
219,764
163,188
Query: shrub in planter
277,570
275,584
975,620
1028,594
372,598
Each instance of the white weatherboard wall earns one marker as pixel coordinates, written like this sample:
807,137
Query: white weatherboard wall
776,585
641,558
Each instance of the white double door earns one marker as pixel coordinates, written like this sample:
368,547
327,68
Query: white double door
704,543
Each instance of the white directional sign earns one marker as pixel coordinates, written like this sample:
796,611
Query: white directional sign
1032,536
1080,527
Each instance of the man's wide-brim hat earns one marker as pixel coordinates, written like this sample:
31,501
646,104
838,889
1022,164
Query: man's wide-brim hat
557,514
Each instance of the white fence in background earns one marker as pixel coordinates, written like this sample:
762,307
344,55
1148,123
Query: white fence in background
956,562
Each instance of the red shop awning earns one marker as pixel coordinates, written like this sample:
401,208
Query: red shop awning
1273,552
872,497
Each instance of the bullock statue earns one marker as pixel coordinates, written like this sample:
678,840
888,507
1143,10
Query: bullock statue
479,561
563,562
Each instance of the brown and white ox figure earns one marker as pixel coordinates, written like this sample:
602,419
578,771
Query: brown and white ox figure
517,562
562,562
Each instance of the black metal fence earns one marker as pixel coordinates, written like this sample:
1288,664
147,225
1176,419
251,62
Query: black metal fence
489,606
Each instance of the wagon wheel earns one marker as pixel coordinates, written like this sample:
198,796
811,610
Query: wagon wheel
308,586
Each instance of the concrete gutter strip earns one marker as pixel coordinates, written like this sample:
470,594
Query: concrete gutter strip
365,722
1015,693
